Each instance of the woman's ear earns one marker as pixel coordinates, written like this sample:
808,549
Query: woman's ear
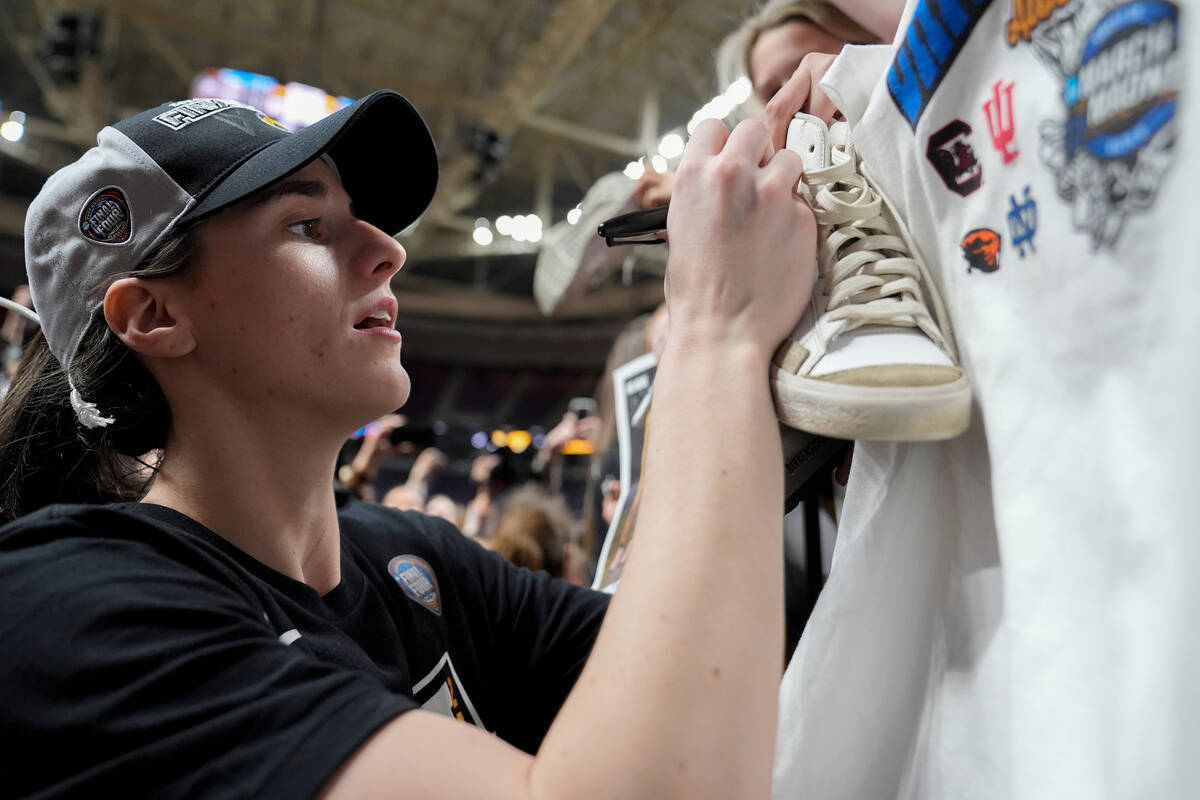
138,313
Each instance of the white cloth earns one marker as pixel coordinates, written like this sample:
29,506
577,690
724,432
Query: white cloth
1021,626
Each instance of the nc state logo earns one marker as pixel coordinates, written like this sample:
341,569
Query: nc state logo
981,248
951,155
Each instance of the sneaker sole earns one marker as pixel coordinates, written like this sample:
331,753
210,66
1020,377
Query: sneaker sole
872,413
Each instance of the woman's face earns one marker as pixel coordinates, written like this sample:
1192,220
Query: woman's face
292,307
779,50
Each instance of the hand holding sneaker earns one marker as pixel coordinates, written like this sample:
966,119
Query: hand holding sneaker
742,261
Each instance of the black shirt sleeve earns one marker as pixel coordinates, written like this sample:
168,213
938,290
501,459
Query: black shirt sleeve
133,666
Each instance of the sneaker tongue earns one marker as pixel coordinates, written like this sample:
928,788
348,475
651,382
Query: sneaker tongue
839,137
810,137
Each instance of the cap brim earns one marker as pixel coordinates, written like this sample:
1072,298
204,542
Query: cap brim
384,154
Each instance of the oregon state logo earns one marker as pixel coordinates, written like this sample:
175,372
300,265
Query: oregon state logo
105,217
981,248
416,578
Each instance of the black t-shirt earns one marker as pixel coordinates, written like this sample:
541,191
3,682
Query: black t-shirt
142,654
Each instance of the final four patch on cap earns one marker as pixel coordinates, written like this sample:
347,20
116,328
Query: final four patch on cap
416,578
105,217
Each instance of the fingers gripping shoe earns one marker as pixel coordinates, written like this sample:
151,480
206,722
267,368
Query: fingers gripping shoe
872,357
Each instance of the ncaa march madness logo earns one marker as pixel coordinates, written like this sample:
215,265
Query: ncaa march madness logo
1121,70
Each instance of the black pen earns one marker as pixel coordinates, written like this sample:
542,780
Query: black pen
638,227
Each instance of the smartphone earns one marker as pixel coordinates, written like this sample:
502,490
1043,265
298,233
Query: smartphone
419,435
581,406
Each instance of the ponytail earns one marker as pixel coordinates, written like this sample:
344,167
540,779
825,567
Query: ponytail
46,455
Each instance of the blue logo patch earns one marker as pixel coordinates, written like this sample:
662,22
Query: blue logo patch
936,34
105,217
1121,70
1022,222
416,578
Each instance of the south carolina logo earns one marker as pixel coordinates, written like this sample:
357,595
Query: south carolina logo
1121,71
981,248
105,217
416,578
950,152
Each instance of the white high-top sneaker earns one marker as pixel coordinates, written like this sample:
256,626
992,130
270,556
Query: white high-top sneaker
872,357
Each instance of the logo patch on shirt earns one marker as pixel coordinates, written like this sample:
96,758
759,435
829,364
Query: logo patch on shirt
981,249
105,217
999,113
416,578
1027,15
442,692
950,152
935,36
1022,222
1121,72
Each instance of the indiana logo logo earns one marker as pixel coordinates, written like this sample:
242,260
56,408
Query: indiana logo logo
999,111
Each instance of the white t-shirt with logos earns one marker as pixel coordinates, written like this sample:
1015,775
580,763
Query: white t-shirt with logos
1010,614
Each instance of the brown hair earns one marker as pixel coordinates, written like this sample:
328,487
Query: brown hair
46,455
534,530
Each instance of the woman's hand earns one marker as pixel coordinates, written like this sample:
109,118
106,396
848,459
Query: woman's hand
654,188
742,244
802,92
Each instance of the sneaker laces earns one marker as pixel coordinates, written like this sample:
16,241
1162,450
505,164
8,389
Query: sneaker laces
865,260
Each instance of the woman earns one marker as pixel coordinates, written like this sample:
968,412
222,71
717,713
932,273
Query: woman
770,45
788,46
216,290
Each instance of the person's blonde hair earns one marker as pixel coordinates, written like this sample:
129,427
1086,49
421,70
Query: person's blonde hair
733,56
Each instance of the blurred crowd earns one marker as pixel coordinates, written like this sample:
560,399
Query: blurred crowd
515,506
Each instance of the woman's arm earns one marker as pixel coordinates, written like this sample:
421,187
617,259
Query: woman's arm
678,698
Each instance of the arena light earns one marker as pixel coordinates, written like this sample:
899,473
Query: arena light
534,235
519,441
659,163
482,237
635,169
723,104
671,146
573,215
520,231
578,447
504,225
294,105
12,130
499,438
739,90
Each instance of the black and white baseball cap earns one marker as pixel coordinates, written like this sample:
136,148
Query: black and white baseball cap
182,161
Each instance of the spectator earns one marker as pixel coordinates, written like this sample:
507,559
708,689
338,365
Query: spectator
535,530
442,505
